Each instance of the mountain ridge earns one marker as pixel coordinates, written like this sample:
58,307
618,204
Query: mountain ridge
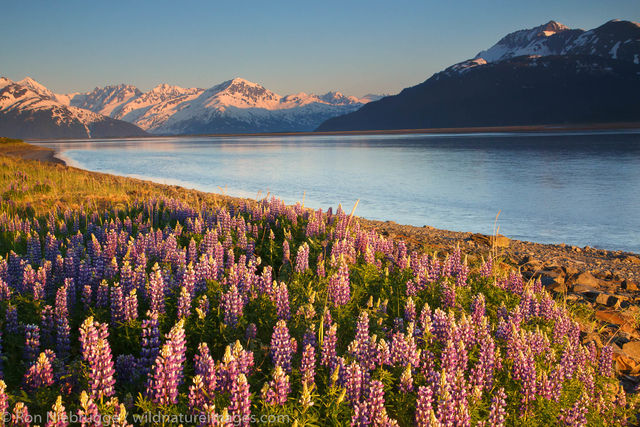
548,74
235,105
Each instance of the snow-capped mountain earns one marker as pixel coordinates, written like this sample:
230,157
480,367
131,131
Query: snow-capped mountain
545,75
235,105
30,110
615,39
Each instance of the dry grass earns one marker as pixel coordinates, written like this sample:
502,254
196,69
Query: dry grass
42,186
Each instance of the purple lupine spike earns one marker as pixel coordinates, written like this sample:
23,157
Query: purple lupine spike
282,300
117,304
302,258
20,415
281,350
424,409
205,368
339,288
198,396
605,362
58,416
203,307
156,290
328,355
62,323
497,412
86,297
406,380
150,341
102,294
308,365
487,268
11,320
232,304
47,326
131,306
88,414
31,342
286,253
478,308
189,280
126,368
184,303
240,401
39,374
96,352
310,337
320,270
354,382
166,374
410,311
276,392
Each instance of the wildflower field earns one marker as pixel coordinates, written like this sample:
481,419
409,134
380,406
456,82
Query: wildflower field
120,298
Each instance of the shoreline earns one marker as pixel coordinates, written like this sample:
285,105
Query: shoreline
626,126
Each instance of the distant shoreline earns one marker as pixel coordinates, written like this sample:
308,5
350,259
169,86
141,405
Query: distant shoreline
460,130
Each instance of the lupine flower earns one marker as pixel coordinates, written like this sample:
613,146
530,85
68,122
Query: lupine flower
339,285
328,355
166,374
410,310
184,303
276,392
126,368
20,415
96,352
232,304
62,323
11,319
605,363
203,307
305,399
131,306
281,346
240,403
302,258
497,412
156,290
40,374
286,254
282,300
308,365
424,409
205,368
198,395
88,412
406,380
150,341
31,342
117,304
57,417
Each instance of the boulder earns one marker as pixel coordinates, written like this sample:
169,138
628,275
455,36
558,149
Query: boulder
629,285
586,278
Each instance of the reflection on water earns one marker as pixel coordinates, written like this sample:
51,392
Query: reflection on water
581,188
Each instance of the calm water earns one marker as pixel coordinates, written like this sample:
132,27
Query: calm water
578,188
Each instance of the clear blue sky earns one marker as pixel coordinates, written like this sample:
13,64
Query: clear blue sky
353,46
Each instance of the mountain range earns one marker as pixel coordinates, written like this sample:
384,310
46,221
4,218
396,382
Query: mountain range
30,110
549,74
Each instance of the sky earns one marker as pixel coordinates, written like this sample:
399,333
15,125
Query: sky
356,47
